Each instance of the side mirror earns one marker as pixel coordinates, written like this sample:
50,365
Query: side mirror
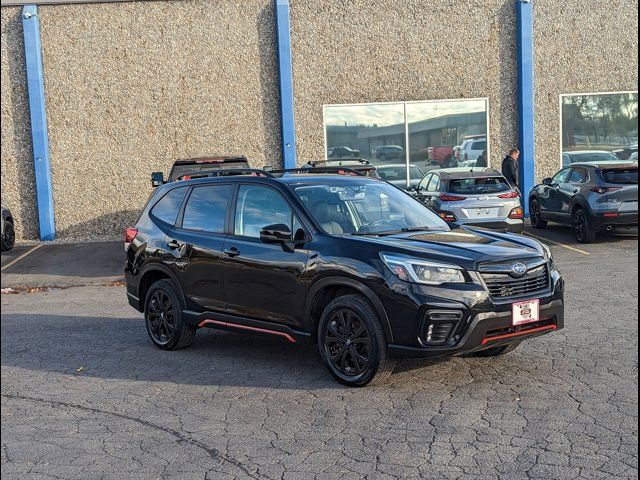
157,179
277,233
547,181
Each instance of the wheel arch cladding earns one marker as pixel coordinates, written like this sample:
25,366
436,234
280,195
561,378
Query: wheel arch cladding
325,290
153,274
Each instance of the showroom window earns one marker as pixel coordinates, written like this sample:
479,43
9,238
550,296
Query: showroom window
421,136
599,127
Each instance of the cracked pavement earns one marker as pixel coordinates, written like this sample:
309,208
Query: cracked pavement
85,395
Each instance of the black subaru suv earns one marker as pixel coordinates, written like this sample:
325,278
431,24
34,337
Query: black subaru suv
349,262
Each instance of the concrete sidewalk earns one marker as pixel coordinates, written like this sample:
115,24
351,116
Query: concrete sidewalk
63,265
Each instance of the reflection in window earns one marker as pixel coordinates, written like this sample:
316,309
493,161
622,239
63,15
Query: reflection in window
599,127
440,134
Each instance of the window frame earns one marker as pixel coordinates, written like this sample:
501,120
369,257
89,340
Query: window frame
231,217
407,152
562,96
180,220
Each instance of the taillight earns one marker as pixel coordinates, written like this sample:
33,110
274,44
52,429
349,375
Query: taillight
517,213
447,216
130,234
603,190
450,198
509,195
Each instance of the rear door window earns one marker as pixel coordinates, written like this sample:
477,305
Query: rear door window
622,176
579,175
206,209
477,186
479,145
434,184
168,207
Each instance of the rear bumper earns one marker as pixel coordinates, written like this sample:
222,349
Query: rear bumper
492,329
601,221
506,225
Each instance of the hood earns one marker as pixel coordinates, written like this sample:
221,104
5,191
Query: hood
467,247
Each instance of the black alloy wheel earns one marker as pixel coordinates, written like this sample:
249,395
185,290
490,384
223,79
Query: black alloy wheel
163,317
9,236
347,343
583,231
536,216
352,342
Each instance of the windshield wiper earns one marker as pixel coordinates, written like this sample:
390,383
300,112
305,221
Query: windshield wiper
395,232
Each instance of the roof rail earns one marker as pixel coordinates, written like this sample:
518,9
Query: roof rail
227,173
320,170
361,161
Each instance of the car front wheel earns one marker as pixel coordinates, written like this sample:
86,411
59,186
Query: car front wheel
163,318
352,342
536,215
9,236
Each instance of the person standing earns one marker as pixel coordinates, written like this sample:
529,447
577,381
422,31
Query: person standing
482,160
511,168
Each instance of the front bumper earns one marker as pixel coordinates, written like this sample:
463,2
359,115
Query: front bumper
483,322
489,330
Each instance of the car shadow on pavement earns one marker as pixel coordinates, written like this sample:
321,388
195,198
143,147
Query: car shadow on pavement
119,348
565,235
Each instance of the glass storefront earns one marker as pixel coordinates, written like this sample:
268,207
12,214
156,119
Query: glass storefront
406,140
599,127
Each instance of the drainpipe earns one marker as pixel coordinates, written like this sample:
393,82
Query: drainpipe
38,114
286,84
524,14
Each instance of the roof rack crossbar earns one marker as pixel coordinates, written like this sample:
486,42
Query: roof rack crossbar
318,170
227,173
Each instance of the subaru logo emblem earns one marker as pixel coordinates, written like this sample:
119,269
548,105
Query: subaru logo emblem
518,269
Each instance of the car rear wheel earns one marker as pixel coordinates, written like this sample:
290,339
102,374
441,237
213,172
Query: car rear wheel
582,227
536,215
163,318
9,236
352,342
498,351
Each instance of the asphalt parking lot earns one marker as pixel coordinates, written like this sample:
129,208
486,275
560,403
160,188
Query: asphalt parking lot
85,395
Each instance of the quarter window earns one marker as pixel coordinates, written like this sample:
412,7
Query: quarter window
258,207
168,207
206,208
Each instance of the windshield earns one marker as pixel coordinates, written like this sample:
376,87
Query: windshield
623,176
596,157
362,207
475,186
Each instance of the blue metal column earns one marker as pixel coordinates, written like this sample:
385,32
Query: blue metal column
286,84
524,22
39,134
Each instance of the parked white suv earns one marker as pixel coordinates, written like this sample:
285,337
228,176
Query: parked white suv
472,148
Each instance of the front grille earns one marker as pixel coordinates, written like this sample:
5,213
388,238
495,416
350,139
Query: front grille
503,285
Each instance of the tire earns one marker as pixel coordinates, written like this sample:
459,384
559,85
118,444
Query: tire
163,318
536,216
497,351
582,226
9,236
352,342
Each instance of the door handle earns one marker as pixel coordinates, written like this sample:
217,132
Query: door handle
231,252
174,245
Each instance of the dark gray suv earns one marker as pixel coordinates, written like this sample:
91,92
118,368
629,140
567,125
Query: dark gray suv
590,197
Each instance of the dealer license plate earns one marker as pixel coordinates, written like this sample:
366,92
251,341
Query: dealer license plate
526,312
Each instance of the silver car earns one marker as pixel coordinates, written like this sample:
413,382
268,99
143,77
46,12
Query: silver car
480,197
8,232
396,174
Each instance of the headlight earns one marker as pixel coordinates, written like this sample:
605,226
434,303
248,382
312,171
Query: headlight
548,255
421,271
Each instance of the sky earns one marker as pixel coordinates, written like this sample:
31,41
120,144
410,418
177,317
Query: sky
393,114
